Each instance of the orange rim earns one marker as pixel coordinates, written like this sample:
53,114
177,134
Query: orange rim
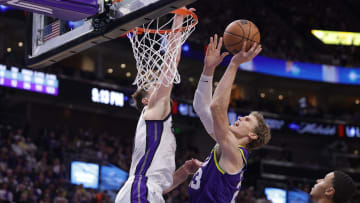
180,11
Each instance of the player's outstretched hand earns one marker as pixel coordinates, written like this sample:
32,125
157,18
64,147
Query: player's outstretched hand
213,57
191,166
245,56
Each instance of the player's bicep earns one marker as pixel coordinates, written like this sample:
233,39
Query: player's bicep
220,123
161,94
158,110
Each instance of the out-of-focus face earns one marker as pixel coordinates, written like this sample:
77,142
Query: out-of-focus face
323,186
244,126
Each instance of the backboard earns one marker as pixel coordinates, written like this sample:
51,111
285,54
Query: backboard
63,9
51,38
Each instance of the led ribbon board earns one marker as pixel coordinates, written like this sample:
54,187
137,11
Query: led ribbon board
301,70
337,37
29,80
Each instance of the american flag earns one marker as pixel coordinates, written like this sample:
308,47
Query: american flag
51,31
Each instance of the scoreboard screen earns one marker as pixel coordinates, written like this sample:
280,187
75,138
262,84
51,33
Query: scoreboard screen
29,80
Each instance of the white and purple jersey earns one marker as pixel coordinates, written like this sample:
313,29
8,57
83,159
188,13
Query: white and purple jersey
153,162
212,184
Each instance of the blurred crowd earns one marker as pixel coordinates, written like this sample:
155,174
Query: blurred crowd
36,168
33,170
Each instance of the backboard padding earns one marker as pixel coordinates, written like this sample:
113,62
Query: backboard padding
89,36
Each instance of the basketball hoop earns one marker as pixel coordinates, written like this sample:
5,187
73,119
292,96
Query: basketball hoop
155,62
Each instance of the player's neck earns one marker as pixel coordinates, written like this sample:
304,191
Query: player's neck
322,200
243,141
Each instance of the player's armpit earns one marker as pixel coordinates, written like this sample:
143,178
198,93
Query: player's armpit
158,110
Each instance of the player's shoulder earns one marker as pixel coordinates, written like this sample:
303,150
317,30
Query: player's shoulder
234,158
159,111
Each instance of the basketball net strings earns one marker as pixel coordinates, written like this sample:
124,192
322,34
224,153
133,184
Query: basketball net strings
156,63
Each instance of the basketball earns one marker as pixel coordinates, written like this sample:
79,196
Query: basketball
238,31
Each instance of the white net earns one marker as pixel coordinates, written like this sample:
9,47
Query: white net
157,48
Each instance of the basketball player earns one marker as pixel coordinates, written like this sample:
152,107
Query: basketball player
335,187
153,158
219,179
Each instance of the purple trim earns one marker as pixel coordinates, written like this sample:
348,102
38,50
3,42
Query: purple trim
132,191
154,131
144,190
139,190
68,10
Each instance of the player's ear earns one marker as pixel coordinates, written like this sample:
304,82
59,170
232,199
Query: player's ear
330,192
253,136
145,100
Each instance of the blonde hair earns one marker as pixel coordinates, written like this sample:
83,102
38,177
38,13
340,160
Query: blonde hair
262,130
137,98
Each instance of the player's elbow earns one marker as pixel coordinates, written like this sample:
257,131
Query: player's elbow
215,108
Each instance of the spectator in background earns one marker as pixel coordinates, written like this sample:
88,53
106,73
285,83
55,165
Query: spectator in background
61,197
263,199
5,194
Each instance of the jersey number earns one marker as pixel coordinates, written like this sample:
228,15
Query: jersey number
195,182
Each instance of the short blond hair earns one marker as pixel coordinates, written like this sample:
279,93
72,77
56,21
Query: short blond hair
262,130
137,98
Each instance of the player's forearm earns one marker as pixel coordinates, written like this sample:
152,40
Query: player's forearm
203,93
179,177
222,93
173,41
202,100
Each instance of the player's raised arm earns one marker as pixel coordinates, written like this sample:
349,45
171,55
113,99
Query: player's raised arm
220,103
161,95
203,93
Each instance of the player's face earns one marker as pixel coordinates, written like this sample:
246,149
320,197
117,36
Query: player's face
244,125
322,186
